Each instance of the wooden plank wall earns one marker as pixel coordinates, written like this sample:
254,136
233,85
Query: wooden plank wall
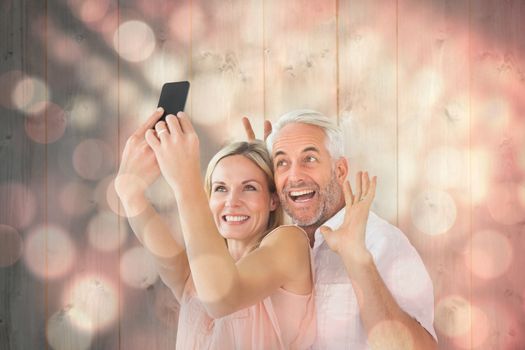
430,95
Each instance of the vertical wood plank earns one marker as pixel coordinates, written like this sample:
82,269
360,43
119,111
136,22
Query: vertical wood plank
300,57
367,95
227,70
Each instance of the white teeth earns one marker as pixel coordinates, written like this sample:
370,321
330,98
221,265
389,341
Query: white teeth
300,193
235,218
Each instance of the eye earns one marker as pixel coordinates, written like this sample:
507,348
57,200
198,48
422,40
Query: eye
310,159
280,163
219,188
250,188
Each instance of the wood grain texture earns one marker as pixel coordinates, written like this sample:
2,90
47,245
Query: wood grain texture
429,94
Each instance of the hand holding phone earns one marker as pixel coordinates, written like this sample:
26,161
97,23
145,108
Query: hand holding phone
173,97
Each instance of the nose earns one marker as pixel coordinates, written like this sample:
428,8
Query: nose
232,199
295,172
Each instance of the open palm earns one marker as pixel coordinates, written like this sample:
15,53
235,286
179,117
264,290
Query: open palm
350,236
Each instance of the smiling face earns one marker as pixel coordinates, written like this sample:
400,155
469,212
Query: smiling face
240,199
308,180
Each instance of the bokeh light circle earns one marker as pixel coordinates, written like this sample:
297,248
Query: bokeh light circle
29,93
105,233
11,245
138,268
62,332
489,254
96,302
134,41
49,252
85,112
479,328
92,159
47,125
403,340
433,212
452,316
407,271
504,204
22,207
446,168
75,198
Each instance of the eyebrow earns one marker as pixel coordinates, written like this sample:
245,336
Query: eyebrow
244,182
307,149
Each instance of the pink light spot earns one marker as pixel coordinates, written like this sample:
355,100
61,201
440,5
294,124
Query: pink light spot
491,256
92,159
75,198
47,125
49,252
22,207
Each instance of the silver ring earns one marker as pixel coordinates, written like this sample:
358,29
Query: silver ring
361,199
161,131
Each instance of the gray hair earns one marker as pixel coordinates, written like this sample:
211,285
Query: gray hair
334,134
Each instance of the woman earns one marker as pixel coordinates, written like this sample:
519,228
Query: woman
255,291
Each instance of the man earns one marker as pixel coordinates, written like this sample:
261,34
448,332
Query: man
372,289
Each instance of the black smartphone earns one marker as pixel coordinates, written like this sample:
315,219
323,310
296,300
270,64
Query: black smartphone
173,97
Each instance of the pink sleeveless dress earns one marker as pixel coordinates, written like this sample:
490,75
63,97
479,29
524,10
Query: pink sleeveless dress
281,321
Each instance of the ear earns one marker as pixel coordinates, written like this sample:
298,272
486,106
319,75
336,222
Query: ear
341,170
274,201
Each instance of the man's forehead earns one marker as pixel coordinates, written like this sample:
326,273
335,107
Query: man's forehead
299,137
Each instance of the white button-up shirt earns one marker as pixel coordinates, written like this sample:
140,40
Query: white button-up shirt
339,324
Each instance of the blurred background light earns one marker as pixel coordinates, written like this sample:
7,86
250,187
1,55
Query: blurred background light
85,112
47,125
89,11
75,198
11,245
453,316
433,212
62,331
29,93
22,207
95,301
106,231
491,254
446,167
49,252
134,41
504,204
93,159
403,339
405,272
188,23
138,268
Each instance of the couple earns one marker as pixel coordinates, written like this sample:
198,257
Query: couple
244,281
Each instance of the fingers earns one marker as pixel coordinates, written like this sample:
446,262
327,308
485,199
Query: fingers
148,124
358,185
248,129
372,191
349,196
267,129
162,130
173,124
185,123
151,139
325,230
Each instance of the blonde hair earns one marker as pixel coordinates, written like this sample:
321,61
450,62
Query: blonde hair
256,152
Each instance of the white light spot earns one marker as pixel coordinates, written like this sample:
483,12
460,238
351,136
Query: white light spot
433,212
134,41
138,268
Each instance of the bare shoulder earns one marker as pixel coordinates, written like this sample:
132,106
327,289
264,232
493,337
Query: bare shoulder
286,235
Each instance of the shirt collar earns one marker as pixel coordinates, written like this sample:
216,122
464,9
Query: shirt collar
334,222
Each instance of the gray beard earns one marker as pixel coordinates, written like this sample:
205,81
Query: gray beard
330,197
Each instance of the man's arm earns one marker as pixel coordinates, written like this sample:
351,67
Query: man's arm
386,324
